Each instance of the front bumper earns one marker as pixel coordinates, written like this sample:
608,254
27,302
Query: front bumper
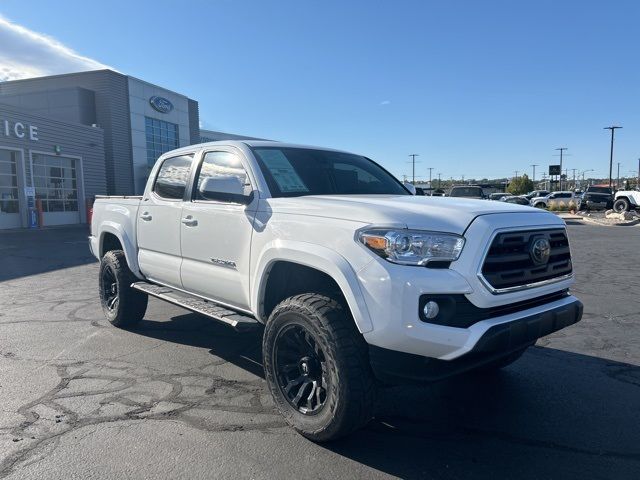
491,341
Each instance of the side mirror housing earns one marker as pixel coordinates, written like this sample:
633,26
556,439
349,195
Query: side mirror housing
410,187
224,188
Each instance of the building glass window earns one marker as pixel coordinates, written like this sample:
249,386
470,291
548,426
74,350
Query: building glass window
161,137
56,184
8,182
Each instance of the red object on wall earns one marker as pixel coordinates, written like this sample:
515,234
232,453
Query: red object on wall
40,215
89,211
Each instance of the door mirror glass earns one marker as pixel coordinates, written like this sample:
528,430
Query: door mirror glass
224,188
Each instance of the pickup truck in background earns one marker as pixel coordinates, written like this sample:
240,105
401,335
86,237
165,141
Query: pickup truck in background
356,282
595,198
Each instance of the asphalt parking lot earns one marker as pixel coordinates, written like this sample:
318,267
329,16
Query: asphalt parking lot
183,397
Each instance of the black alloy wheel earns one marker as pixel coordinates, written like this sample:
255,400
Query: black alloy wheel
301,370
109,287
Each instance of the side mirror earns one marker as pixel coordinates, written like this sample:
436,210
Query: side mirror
410,187
224,188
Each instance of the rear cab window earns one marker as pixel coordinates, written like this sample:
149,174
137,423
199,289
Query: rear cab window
173,177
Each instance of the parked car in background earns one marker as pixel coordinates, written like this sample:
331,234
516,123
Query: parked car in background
499,195
537,193
438,192
467,191
596,198
521,200
562,199
626,200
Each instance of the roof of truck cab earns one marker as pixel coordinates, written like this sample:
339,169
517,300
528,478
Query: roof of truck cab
249,143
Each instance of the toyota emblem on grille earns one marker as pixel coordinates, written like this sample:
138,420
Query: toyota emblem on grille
540,251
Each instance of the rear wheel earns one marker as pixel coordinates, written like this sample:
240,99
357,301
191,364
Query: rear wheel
316,365
122,305
621,205
540,205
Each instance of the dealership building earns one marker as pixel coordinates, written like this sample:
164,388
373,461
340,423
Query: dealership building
66,138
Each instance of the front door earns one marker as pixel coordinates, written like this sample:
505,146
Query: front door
216,236
159,254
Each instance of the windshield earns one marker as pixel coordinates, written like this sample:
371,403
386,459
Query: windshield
466,192
292,172
599,190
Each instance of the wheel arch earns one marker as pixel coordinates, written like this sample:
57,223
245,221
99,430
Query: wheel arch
303,259
112,234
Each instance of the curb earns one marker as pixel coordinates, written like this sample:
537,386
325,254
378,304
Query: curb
632,223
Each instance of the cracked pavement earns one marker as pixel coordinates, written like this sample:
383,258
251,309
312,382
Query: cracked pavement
181,396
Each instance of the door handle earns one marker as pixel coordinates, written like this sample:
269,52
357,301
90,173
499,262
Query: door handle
146,216
189,221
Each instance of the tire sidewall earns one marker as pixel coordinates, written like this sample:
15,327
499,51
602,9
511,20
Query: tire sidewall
318,423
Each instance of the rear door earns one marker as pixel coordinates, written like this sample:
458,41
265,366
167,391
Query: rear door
216,235
159,254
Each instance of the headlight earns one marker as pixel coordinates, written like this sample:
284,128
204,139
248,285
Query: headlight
412,247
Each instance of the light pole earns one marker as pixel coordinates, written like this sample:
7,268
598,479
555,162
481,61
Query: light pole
439,174
413,164
562,149
430,186
618,178
613,129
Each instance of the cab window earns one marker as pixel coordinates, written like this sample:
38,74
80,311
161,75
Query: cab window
173,177
220,164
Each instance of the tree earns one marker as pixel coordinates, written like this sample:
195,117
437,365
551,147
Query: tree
520,185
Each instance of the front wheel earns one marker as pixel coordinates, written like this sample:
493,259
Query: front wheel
540,205
621,205
122,305
316,365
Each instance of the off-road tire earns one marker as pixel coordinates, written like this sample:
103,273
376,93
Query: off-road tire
130,305
621,205
350,395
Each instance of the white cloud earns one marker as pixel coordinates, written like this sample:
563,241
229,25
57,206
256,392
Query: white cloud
385,102
26,53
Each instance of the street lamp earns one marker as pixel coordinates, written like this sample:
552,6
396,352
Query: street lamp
613,129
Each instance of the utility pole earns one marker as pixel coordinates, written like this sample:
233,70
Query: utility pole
441,174
613,129
574,177
430,186
413,163
562,149
534,171
516,172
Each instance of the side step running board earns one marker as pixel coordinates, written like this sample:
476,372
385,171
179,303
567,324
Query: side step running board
238,321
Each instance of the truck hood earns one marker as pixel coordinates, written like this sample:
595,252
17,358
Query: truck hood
443,214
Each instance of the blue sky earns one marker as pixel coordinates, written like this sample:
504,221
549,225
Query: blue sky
480,88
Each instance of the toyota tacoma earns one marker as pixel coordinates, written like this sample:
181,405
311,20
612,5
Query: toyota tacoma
356,282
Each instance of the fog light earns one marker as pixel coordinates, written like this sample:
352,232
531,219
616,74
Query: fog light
431,309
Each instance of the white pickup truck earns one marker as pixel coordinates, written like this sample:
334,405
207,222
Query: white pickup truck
357,282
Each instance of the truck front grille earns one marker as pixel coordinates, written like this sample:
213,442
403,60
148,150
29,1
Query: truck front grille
511,263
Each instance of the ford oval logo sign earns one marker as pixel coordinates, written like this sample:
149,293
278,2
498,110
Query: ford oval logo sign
160,104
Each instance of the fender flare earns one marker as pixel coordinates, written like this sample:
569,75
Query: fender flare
127,245
314,256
